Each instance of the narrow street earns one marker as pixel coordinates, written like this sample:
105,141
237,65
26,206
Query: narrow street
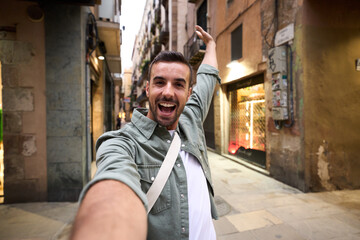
251,205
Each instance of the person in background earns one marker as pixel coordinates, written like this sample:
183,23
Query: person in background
118,121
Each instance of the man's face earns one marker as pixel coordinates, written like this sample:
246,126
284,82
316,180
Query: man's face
168,91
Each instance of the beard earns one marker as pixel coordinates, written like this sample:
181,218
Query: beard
165,121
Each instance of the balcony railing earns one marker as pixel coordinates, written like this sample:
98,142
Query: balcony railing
144,72
164,34
194,50
165,3
153,28
155,49
158,15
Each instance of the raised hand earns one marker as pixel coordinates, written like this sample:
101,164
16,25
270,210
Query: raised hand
203,35
210,54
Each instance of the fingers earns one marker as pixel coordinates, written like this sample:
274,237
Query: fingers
197,27
210,54
199,35
199,31
203,35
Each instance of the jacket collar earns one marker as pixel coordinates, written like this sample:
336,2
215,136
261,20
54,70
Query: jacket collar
144,124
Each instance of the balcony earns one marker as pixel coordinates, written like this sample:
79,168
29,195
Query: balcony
165,3
164,34
142,98
153,28
146,47
133,89
155,49
194,50
144,72
158,15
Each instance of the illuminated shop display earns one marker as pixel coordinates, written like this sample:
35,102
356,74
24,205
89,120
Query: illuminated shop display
247,123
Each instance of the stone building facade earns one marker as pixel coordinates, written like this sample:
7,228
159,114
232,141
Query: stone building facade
50,86
314,148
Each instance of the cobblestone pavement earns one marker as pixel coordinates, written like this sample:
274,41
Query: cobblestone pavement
252,206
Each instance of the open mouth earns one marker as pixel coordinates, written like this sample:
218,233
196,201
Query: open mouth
167,107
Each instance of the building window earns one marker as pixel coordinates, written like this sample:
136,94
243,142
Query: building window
201,15
148,26
155,3
236,43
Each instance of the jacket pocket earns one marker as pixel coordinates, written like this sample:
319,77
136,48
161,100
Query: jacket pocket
148,174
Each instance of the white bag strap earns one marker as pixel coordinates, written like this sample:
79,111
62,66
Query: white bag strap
164,172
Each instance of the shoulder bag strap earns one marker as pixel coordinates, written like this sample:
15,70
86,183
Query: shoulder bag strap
164,172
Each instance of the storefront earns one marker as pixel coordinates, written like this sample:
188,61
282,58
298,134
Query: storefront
247,120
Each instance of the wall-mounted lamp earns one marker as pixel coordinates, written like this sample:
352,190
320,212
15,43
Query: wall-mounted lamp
102,49
233,64
357,64
236,70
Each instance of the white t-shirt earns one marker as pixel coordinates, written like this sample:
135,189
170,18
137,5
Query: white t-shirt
200,221
201,226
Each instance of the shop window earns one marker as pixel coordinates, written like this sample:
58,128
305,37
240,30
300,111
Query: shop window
247,123
236,43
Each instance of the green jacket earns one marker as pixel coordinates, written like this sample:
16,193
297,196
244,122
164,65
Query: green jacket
134,154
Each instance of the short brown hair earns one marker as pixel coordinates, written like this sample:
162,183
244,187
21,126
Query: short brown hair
171,56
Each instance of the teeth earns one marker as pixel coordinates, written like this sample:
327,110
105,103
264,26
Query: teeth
167,104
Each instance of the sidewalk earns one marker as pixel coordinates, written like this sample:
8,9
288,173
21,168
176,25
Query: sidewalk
36,221
256,207
252,206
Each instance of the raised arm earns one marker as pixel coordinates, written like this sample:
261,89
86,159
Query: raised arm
110,210
210,54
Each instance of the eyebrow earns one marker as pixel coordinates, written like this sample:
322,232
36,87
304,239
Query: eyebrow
176,79
158,78
180,80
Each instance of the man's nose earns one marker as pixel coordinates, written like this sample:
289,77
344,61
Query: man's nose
168,90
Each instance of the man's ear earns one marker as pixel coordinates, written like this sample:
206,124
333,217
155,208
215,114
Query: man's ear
147,88
189,93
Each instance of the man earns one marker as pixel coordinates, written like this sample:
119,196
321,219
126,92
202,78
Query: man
128,160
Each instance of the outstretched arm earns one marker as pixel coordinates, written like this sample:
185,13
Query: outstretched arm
210,54
110,210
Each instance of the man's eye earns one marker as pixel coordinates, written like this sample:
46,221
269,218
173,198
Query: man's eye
180,85
158,83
